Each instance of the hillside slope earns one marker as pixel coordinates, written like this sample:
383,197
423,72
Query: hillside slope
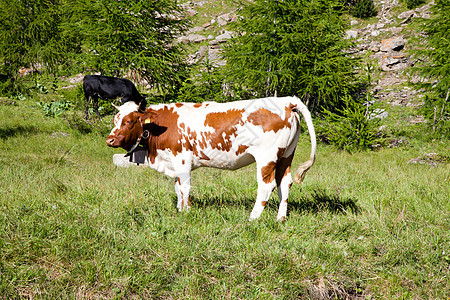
383,40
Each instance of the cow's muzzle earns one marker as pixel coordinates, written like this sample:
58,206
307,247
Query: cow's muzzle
111,141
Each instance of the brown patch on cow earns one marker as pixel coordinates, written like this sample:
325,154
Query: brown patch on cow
289,109
264,203
268,120
283,168
241,149
268,172
224,124
218,120
192,143
197,105
182,162
171,138
178,104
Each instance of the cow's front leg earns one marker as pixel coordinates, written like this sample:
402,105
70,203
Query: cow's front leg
182,166
182,188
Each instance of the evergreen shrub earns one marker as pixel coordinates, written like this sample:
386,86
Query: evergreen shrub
413,3
433,63
364,9
352,128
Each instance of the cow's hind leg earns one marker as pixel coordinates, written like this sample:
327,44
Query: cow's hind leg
284,181
266,184
95,102
86,108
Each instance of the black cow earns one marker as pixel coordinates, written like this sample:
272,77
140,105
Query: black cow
106,87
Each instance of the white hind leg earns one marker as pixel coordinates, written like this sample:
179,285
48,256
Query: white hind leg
284,182
266,184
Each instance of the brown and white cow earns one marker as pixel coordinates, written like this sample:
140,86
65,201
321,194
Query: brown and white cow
185,136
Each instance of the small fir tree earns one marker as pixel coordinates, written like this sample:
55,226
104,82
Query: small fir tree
364,9
354,127
413,3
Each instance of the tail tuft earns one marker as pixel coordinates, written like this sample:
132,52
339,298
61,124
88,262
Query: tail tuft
301,171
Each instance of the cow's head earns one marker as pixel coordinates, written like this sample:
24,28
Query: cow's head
129,123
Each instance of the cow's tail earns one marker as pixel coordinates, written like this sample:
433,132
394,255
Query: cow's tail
301,171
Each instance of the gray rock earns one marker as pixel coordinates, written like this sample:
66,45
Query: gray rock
121,161
193,38
392,44
202,51
223,37
351,34
396,30
406,14
374,46
223,20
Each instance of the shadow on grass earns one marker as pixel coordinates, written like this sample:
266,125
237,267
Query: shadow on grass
205,201
317,201
9,132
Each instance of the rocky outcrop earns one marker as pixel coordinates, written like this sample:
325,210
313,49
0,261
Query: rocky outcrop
213,32
386,42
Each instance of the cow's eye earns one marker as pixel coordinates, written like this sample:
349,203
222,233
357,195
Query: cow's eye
127,123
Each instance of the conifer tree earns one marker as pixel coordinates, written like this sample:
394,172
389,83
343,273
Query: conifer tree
434,64
112,37
29,34
118,36
292,48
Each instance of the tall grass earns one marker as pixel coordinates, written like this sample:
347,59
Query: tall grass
72,225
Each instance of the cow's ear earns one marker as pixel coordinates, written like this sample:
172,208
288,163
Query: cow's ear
154,129
148,121
142,105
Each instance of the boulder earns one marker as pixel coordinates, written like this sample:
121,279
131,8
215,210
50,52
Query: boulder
223,20
393,62
223,37
406,14
351,34
392,44
193,38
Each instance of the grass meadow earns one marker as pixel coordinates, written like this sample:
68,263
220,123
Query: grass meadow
73,226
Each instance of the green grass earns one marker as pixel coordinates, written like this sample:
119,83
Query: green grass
72,225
